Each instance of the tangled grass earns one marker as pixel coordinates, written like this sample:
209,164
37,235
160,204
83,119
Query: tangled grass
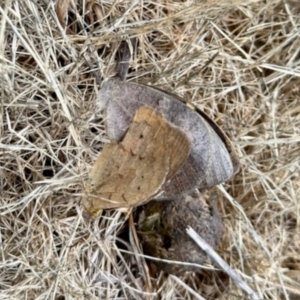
51,133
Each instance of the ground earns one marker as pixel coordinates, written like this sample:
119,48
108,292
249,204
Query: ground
52,131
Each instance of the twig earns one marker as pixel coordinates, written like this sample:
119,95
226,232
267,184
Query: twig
226,268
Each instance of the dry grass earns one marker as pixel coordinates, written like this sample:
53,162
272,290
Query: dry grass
51,133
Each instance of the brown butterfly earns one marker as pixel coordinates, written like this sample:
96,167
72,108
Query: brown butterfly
212,159
131,172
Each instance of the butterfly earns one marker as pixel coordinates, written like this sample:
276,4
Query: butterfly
212,159
132,171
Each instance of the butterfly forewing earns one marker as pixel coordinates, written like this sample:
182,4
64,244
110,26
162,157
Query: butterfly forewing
133,171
